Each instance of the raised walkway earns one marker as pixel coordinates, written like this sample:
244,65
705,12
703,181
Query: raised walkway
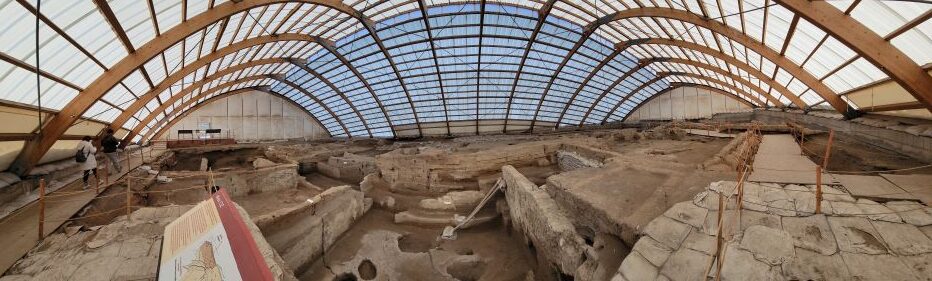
776,234
20,229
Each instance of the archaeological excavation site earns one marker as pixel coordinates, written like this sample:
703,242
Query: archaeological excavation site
465,140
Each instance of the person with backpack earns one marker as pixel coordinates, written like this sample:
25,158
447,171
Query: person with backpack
85,155
109,144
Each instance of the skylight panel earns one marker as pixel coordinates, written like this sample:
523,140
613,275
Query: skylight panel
916,44
880,18
778,23
168,13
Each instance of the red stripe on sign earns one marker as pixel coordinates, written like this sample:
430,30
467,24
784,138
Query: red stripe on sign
249,260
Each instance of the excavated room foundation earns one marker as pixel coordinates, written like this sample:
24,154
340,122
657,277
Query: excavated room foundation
589,205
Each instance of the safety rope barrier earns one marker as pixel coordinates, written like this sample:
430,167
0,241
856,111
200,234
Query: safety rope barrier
745,166
127,207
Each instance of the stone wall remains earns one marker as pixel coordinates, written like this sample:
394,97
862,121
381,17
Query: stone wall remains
571,157
436,170
538,217
349,167
301,234
242,182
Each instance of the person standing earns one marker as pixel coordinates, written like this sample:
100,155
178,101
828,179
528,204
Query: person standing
109,144
85,155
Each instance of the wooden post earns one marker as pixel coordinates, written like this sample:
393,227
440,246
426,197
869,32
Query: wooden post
41,208
128,165
802,140
721,236
818,190
828,148
142,155
129,198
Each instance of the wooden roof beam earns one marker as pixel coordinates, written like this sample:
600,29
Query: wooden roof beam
717,27
867,44
35,149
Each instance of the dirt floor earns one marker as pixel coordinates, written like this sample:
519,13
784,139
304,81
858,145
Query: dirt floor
649,177
324,181
503,256
856,156
687,153
537,174
267,202
111,203
190,160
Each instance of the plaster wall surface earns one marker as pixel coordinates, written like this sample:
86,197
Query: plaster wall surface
252,116
686,103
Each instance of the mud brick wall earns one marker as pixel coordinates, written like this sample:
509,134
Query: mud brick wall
571,157
302,233
538,217
349,167
433,170
248,181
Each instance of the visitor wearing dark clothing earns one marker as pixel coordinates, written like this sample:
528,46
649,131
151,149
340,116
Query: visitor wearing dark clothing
110,144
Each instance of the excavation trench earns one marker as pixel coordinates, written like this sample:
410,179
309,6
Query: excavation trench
569,210
549,223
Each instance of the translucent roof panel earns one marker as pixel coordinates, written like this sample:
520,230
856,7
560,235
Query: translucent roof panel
366,67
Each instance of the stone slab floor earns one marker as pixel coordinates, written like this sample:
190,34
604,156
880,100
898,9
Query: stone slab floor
777,237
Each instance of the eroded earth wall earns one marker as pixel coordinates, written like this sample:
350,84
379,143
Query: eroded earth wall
301,234
542,222
429,169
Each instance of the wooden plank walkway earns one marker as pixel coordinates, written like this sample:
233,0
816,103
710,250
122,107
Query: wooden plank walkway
919,186
779,159
20,229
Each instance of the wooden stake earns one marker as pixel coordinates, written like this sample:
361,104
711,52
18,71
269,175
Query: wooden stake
802,141
721,237
41,208
828,148
142,155
129,198
818,190
128,165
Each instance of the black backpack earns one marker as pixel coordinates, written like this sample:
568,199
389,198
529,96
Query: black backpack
79,156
